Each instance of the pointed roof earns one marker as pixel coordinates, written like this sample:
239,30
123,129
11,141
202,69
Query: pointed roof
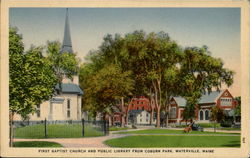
205,98
67,45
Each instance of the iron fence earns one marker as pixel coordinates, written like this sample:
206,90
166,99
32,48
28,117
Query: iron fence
60,129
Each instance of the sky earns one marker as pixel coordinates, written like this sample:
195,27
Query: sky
218,28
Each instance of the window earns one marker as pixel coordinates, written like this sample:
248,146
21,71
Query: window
140,115
226,94
140,120
206,115
226,102
173,112
68,108
147,114
38,111
143,108
146,120
201,115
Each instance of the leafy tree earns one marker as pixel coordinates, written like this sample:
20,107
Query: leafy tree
104,87
237,110
200,74
217,115
32,79
64,64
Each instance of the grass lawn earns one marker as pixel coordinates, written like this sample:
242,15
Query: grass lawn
167,131
204,125
114,128
153,141
56,131
36,144
229,128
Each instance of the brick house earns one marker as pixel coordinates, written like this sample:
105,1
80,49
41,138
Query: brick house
222,99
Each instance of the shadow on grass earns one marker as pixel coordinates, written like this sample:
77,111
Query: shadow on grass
232,144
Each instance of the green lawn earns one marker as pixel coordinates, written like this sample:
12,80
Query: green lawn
36,144
153,141
204,125
113,128
56,131
167,131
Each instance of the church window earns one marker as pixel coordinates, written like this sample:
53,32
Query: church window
68,108
173,112
38,111
206,115
201,115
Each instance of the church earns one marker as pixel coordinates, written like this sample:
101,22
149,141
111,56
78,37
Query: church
67,104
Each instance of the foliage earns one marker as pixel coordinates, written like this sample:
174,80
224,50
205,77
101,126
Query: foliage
32,78
217,114
34,144
64,64
160,141
200,74
237,111
159,68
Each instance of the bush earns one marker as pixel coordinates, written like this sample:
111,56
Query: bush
226,124
209,125
134,127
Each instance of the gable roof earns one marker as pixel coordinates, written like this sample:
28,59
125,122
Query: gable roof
70,88
211,97
180,101
205,98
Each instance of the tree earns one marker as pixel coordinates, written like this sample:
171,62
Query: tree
237,110
149,58
217,115
32,79
64,64
200,74
104,87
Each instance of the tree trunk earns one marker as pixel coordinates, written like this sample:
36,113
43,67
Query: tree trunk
167,114
123,114
11,115
158,121
127,110
151,103
214,126
151,116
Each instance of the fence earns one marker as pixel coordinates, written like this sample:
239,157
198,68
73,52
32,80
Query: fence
60,129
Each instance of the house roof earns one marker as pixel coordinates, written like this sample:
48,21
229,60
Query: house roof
205,98
70,88
211,97
180,101
135,111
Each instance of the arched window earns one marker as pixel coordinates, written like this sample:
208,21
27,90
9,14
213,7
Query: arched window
68,108
201,115
206,115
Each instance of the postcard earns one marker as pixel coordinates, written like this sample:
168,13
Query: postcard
125,78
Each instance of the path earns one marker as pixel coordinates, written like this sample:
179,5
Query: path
97,142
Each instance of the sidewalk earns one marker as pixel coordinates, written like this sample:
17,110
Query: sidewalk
90,142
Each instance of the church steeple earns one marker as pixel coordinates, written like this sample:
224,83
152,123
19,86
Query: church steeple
67,45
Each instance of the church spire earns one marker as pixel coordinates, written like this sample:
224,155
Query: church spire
67,45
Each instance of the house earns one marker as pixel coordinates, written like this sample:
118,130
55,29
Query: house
66,104
139,111
139,117
222,99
